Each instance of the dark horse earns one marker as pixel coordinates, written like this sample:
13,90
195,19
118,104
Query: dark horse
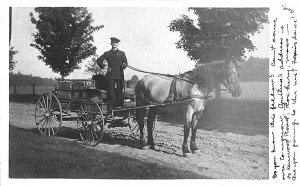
194,85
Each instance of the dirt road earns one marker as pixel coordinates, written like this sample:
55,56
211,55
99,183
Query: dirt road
223,154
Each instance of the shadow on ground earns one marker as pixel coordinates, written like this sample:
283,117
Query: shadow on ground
37,156
110,137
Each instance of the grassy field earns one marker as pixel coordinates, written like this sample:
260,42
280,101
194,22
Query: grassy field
247,114
253,91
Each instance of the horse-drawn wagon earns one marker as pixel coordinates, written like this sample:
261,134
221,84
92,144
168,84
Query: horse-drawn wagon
81,101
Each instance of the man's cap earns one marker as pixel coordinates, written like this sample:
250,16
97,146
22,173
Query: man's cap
114,40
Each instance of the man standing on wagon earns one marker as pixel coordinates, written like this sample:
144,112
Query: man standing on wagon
117,62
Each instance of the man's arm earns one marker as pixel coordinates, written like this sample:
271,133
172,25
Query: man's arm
101,59
124,61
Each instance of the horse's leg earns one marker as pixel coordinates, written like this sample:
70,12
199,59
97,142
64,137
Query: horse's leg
150,122
186,129
193,146
140,118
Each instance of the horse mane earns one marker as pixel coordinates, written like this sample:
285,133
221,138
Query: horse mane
206,74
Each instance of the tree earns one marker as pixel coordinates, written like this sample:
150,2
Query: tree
12,62
64,37
220,34
92,66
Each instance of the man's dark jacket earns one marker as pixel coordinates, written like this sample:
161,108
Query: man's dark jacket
116,60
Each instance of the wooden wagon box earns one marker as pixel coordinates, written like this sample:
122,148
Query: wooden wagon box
64,85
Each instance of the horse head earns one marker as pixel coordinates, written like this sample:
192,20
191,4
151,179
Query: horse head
230,79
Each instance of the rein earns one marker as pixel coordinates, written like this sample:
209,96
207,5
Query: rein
178,77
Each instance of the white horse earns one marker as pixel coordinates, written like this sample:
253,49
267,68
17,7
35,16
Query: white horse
194,85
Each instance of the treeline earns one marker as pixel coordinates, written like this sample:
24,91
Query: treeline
24,80
255,69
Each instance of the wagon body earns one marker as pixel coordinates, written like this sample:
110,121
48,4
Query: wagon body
79,100
73,92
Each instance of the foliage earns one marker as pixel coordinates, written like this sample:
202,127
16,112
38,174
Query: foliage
12,62
92,67
22,79
64,37
220,33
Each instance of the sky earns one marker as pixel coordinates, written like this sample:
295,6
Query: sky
144,34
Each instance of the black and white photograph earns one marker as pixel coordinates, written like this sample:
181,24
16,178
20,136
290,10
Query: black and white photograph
125,91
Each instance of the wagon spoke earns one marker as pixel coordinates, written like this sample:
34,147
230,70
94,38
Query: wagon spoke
84,117
50,104
136,126
92,134
44,103
83,111
89,110
40,104
95,138
84,125
95,131
52,124
81,128
40,110
49,129
99,119
47,106
41,121
85,108
46,126
88,136
53,130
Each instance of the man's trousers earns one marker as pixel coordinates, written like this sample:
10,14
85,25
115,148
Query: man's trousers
115,90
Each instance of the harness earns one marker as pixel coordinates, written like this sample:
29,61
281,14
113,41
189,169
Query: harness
173,94
173,90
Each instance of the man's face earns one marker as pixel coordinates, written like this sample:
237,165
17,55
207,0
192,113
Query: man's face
114,44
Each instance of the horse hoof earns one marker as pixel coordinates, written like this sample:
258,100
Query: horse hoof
145,148
187,154
152,147
196,152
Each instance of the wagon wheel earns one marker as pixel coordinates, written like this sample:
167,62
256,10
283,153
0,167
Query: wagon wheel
90,122
48,114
